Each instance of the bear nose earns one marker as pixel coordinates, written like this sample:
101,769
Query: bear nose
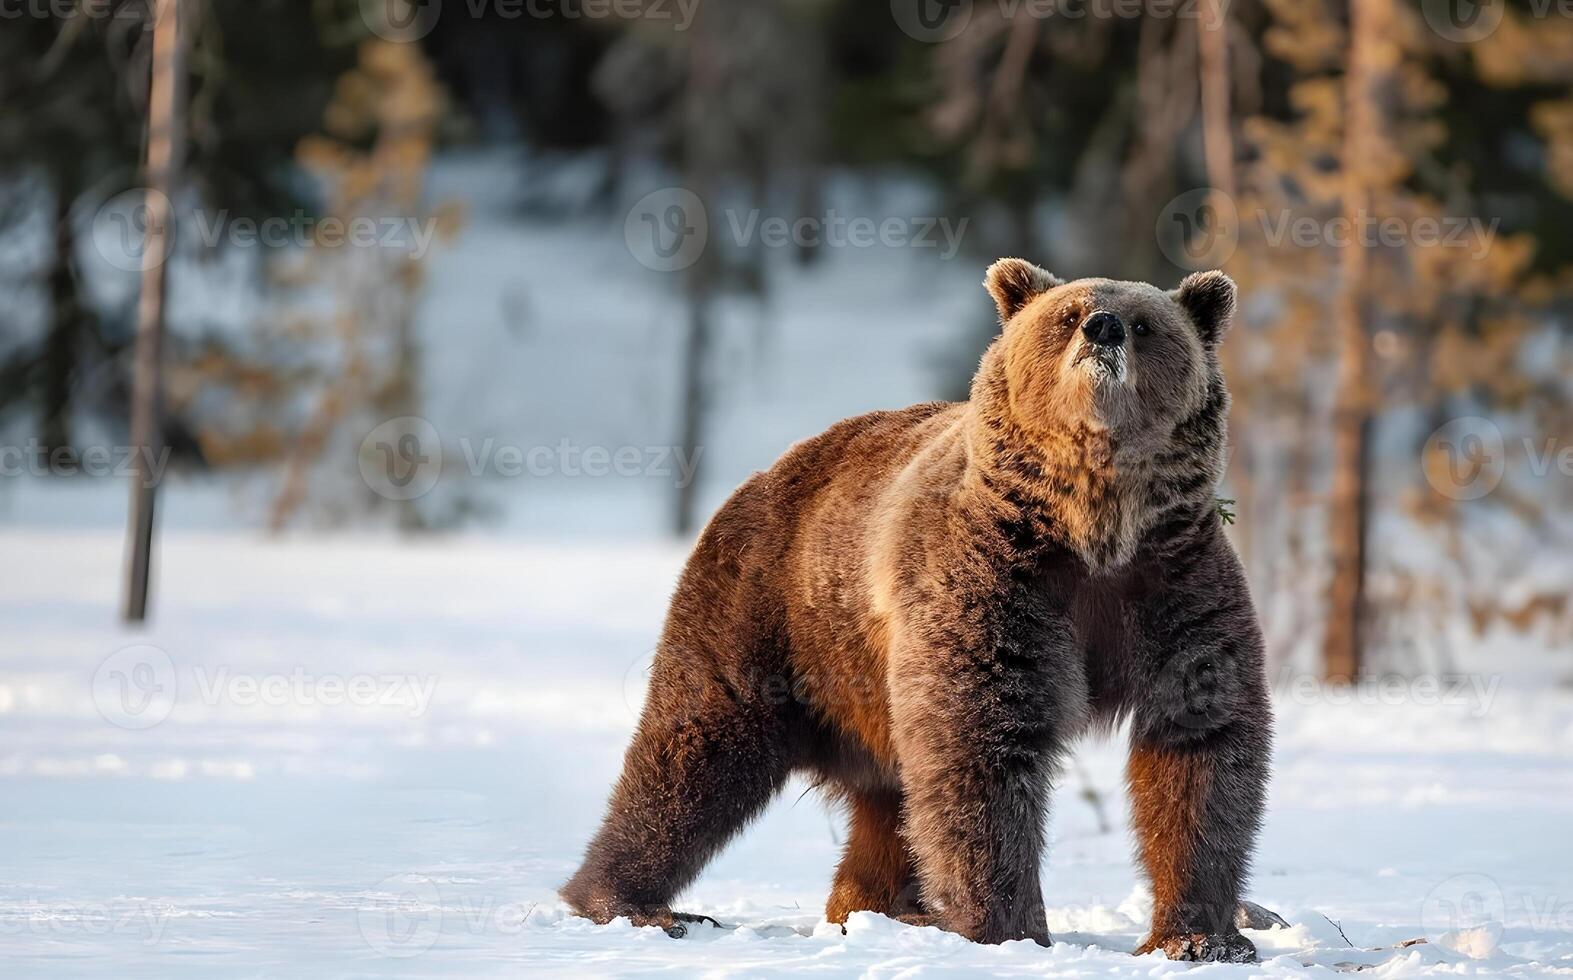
1104,327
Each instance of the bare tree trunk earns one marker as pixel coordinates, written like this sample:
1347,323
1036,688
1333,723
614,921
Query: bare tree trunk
163,166
62,347
1218,145
1212,60
699,283
695,349
1348,503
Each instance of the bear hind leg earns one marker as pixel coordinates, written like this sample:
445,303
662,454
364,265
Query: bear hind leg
876,872
702,763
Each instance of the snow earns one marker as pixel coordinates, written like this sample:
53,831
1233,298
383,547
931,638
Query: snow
347,756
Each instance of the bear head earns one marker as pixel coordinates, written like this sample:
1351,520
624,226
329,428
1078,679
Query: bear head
1123,357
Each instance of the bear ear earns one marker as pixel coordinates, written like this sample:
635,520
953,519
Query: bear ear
1209,298
1014,282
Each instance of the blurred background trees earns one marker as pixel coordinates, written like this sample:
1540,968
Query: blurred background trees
1096,138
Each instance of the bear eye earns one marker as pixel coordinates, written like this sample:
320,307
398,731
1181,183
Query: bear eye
1140,328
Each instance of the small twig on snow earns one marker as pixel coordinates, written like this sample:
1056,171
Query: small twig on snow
1340,929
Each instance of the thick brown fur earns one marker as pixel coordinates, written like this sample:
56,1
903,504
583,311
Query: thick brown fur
922,608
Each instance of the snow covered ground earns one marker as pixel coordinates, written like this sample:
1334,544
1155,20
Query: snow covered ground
354,757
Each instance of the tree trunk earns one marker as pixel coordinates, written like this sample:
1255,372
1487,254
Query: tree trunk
1343,638
692,409
163,164
62,351
699,145
1212,51
1212,59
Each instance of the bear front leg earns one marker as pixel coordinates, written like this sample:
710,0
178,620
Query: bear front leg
1201,739
978,735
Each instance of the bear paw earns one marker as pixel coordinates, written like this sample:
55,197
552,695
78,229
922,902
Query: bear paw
1197,947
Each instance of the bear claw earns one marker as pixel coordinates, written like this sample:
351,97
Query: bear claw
678,927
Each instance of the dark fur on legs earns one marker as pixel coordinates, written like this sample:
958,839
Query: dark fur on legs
1201,740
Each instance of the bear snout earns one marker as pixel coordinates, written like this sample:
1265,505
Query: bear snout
1105,328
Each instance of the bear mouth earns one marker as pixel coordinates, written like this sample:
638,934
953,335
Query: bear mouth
1104,364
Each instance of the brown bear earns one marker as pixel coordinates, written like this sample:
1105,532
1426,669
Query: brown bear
921,609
